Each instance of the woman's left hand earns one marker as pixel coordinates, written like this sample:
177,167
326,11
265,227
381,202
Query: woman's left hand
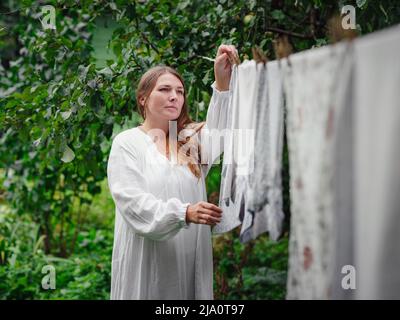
226,56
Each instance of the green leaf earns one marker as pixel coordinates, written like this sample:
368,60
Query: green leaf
65,115
113,6
68,155
82,70
384,12
206,78
361,3
278,15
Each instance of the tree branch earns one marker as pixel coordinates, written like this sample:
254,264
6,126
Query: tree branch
149,43
289,33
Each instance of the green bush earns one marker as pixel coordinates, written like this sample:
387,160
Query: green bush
84,275
255,270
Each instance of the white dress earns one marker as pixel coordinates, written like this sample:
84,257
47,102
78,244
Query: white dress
156,255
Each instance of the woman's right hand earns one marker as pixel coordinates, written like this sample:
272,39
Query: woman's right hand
203,213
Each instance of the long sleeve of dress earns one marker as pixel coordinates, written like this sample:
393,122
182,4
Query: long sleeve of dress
148,216
215,129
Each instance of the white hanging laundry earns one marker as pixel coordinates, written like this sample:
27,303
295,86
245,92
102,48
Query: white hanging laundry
256,195
310,81
343,179
264,211
276,127
377,165
238,157
228,219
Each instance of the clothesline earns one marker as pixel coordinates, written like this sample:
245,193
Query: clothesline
341,104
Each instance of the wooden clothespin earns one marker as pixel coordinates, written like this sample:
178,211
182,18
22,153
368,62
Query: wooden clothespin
234,59
258,55
336,32
282,47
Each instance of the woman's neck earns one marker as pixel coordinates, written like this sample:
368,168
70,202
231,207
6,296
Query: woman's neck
151,125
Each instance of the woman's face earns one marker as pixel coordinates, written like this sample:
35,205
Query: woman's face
166,100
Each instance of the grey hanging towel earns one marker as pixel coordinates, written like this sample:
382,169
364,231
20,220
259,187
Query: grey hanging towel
264,194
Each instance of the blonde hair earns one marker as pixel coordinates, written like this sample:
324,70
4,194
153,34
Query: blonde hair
145,87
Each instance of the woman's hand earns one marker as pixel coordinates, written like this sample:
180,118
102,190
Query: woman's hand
203,213
226,56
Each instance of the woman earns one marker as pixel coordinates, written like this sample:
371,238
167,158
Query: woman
162,244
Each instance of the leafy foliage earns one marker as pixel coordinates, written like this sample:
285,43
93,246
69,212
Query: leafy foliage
82,276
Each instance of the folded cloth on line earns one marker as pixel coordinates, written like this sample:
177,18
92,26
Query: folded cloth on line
264,194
